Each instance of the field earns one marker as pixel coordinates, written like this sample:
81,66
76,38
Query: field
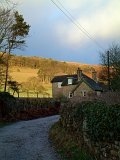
33,95
22,74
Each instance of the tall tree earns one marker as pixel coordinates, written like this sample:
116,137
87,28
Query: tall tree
13,30
111,62
6,8
17,31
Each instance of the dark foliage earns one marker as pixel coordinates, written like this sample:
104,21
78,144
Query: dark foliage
111,70
102,120
6,103
14,109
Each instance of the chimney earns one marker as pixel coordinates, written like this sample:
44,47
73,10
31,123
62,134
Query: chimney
79,74
94,76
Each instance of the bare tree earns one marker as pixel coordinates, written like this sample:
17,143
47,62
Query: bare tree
33,84
111,63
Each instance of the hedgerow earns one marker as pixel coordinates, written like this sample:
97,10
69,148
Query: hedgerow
102,120
13,109
7,102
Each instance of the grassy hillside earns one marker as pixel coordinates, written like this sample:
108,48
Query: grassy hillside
22,74
21,69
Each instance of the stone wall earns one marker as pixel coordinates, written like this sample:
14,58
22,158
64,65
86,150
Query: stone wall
56,92
101,150
83,87
108,97
67,90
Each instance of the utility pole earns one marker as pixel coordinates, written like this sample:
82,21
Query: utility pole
108,61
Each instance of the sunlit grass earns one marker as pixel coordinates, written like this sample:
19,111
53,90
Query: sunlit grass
46,94
22,74
34,95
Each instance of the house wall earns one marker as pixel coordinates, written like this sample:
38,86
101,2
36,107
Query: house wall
67,90
56,92
83,87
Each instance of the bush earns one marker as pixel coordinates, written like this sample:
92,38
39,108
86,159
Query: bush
7,102
102,120
5,96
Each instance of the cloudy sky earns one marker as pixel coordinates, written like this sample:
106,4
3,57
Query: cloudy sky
54,35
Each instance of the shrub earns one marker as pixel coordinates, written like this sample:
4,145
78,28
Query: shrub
7,102
102,120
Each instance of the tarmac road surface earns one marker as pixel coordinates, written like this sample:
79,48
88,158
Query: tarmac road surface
28,140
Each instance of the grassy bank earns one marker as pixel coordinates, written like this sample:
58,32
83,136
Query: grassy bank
67,144
3,124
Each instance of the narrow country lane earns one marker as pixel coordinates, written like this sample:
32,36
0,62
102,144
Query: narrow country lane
28,140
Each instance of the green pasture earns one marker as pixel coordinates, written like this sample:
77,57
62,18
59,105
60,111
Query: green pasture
46,94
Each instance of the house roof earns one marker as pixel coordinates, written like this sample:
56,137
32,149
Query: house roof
90,82
65,81
60,78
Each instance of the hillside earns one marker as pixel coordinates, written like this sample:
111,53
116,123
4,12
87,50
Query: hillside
22,74
34,74
23,68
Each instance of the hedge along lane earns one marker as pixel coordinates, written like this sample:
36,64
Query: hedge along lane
28,140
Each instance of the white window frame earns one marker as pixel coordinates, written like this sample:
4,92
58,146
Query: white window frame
98,93
70,80
84,93
59,84
70,94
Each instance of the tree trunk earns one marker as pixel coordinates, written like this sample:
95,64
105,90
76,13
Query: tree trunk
6,73
37,94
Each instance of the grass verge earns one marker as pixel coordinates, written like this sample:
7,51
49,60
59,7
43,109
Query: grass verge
66,144
3,124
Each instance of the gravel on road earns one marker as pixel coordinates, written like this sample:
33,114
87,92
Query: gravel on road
28,140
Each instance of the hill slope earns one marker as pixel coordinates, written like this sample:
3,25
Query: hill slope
23,68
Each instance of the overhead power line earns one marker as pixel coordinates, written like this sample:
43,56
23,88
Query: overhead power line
77,24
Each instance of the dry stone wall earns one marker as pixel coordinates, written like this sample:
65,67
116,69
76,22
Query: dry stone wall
101,150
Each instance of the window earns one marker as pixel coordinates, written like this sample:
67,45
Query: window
70,80
84,93
59,84
70,94
98,93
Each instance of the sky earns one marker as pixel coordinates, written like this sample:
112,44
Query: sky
54,35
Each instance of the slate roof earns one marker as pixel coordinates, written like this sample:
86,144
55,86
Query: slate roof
65,81
61,78
90,82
